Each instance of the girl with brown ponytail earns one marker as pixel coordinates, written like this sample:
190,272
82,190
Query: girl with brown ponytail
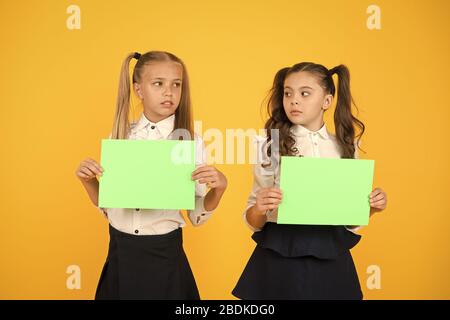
146,259
303,261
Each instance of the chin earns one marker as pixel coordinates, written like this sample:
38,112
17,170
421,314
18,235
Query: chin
167,112
296,121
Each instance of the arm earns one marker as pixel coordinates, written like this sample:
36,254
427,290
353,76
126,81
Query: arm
92,190
205,204
256,218
378,202
212,198
265,199
206,176
87,172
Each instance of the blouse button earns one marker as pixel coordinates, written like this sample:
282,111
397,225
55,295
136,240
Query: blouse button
136,231
153,127
137,209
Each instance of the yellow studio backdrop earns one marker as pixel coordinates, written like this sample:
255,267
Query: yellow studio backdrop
58,89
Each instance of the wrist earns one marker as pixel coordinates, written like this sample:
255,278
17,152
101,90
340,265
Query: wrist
91,182
218,191
258,212
373,211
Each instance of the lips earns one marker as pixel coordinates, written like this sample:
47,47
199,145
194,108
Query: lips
296,112
167,103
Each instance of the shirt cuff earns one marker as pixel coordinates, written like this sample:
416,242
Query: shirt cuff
199,215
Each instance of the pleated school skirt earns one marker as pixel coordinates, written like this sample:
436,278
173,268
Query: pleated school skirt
301,262
146,267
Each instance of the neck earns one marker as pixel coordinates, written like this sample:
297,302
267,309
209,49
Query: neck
314,126
153,117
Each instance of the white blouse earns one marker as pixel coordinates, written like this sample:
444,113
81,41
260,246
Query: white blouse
153,221
310,144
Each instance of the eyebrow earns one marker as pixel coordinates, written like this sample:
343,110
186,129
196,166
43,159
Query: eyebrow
304,87
159,78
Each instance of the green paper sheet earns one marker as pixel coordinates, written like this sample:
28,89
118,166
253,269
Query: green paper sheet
323,191
147,174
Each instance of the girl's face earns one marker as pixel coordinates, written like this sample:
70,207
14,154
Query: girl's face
304,100
160,89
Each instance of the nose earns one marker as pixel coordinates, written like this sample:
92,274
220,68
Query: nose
167,91
294,102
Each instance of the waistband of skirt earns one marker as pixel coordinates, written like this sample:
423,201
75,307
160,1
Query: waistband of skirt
323,242
157,238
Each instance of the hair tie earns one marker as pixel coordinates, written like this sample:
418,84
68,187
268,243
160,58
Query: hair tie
332,71
137,55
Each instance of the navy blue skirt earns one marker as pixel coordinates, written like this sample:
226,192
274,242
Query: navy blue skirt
146,267
301,262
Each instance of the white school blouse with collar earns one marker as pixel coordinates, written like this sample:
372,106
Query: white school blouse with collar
152,221
316,144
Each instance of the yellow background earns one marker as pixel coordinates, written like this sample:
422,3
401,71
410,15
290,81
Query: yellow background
58,90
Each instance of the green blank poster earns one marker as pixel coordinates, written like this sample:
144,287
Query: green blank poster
323,191
150,174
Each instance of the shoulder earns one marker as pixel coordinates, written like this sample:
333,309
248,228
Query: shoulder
336,144
264,168
332,136
131,130
260,147
133,125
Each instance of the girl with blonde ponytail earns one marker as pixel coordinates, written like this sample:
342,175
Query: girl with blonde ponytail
183,116
146,259
304,261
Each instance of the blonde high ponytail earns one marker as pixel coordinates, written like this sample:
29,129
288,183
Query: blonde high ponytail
121,124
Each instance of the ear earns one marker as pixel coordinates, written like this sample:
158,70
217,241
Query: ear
327,101
137,90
